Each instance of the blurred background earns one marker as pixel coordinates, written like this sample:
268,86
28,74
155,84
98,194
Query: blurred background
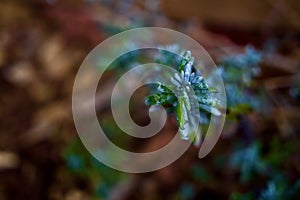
256,44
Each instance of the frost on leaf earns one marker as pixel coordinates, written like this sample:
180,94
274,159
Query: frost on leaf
188,78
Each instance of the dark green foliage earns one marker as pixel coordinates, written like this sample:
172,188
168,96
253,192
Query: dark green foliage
200,173
82,164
